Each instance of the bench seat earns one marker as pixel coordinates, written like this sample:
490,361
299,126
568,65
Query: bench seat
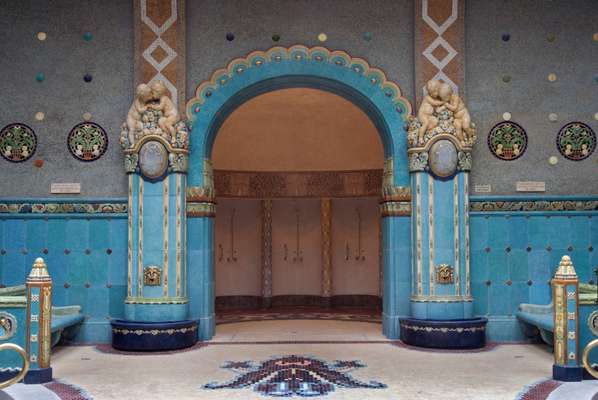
537,321
63,319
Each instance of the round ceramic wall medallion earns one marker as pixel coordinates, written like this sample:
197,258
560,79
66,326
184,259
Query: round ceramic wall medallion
443,158
153,160
17,142
87,141
8,325
576,141
507,140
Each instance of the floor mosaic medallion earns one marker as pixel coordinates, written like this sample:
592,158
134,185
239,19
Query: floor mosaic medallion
507,140
576,141
17,142
293,375
87,141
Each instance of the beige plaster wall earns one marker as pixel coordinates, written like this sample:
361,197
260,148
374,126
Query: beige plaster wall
355,276
298,130
242,277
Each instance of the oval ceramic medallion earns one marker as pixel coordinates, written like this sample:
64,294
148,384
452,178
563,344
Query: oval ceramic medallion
87,141
17,142
443,158
153,160
576,141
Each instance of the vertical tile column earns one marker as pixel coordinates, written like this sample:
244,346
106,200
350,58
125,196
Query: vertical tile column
160,45
326,225
565,294
39,319
266,218
439,44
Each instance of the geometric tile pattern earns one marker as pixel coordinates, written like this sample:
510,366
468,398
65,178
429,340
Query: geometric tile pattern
294,375
160,55
439,47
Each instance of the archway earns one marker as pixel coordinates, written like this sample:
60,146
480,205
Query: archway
318,68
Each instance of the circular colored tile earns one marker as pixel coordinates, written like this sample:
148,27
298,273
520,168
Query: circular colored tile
42,36
367,36
87,141
506,37
507,140
506,78
552,77
38,164
17,142
87,116
40,77
576,141
40,116
551,38
230,37
595,37
87,36
596,116
506,116
322,37
87,78
596,78
553,117
275,38
553,160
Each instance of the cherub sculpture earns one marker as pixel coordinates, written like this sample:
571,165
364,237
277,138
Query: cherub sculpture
426,111
143,95
164,104
461,117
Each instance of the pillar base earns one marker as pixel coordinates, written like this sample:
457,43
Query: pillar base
567,373
449,334
153,336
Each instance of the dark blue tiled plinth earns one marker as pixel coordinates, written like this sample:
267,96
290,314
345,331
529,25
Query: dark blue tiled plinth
567,373
450,334
33,376
153,336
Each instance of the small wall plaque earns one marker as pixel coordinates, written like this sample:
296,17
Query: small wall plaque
483,188
531,186
65,188
444,274
152,276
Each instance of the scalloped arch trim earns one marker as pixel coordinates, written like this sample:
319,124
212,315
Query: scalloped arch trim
297,54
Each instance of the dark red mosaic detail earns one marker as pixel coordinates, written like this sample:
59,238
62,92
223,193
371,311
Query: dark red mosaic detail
294,375
67,391
539,391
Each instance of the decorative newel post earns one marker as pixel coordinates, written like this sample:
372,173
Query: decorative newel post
39,320
156,147
565,295
440,141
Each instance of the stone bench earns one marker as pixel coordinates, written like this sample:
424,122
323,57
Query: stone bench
64,319
537,320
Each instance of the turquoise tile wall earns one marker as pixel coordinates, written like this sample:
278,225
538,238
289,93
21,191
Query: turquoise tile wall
513,258
86,259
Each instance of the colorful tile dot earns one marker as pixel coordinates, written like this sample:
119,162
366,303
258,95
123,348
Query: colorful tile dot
553,160
42,36
506,116
275,38
87,78
87,36
367,36
40,116
552,77
322,37
230,37
553,117
40,77
86,116
506,37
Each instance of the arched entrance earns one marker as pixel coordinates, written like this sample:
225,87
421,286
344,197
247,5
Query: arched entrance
318,68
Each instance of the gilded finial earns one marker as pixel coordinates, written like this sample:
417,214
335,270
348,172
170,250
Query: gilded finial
565,269
39,271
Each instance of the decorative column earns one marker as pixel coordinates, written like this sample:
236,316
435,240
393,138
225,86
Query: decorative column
439,44
395,210
201,210
440,142
155,144
160,46
266,216
565,296
39,319
326,225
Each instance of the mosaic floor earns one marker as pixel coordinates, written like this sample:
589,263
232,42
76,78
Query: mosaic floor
311,359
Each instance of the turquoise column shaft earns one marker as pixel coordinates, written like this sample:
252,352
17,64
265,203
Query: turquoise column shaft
396,255
200,245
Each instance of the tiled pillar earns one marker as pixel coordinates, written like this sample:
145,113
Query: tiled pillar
439,44
565,295
266,217
39,319
395,209
326,226
160,45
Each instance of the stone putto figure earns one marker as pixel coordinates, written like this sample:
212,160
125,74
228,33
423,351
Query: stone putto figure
441,112
153,113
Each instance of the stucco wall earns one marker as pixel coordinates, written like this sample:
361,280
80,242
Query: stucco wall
64,58
528,57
